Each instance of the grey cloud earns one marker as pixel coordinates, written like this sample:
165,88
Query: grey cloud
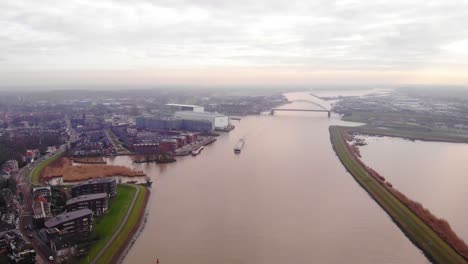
332,34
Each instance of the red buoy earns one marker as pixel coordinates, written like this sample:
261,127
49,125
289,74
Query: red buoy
157,261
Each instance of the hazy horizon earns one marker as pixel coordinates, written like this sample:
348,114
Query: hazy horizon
209,44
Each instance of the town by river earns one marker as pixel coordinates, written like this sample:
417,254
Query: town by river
286,198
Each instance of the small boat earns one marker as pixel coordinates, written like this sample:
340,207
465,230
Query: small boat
197,151
239,145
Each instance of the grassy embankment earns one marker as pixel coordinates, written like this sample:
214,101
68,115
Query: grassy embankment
105,226
405,126
36,172
368,117
418,231
440,136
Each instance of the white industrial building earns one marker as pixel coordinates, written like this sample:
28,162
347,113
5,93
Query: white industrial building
183,107
218,121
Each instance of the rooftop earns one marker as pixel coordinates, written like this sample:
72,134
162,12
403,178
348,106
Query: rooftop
41,209
200,114
65,217
94,181
41,188
87,197
183,105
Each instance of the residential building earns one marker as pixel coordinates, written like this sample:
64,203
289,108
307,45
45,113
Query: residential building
77,222
146,148
19,249
44,191
68,230
41,212
10,166
103,185
98,203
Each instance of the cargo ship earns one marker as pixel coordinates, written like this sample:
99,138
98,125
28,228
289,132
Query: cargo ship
239,145
197,151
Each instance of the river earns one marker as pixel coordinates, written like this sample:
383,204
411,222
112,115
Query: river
285,199
432,173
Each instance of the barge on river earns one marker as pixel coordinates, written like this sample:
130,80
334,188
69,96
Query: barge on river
239,146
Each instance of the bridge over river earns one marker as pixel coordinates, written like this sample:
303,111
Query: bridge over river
302,105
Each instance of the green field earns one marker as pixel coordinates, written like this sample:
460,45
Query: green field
129,226
36,172
434,135
368,117
421,234
105,226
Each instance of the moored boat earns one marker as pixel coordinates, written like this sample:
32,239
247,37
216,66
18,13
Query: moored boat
197,151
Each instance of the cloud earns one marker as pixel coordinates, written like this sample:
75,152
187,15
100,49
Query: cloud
172,35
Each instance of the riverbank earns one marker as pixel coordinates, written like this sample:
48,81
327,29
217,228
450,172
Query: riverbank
127,208
438,136
35,174
187,150
90,160
419,232
136,232
64,167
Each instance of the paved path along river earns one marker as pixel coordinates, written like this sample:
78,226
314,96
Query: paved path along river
285,199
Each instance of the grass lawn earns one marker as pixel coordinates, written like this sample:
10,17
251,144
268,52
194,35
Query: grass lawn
38,169
420,233
434,135
105,226
367,117
126,231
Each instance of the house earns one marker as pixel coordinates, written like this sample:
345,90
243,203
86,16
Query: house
10,166
44,191
31,155
19,249
41,212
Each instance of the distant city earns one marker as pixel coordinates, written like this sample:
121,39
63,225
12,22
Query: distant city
61,186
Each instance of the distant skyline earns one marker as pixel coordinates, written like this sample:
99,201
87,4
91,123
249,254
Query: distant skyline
232,43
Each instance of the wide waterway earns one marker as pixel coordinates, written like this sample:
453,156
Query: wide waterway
285,199
432,173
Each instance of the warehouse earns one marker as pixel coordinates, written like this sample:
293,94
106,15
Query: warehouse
218,121
182,107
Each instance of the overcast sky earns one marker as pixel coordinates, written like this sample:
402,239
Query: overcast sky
208,42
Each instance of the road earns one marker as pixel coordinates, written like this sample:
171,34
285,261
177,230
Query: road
23,181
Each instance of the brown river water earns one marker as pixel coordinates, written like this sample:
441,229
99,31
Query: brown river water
285,199
432,173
